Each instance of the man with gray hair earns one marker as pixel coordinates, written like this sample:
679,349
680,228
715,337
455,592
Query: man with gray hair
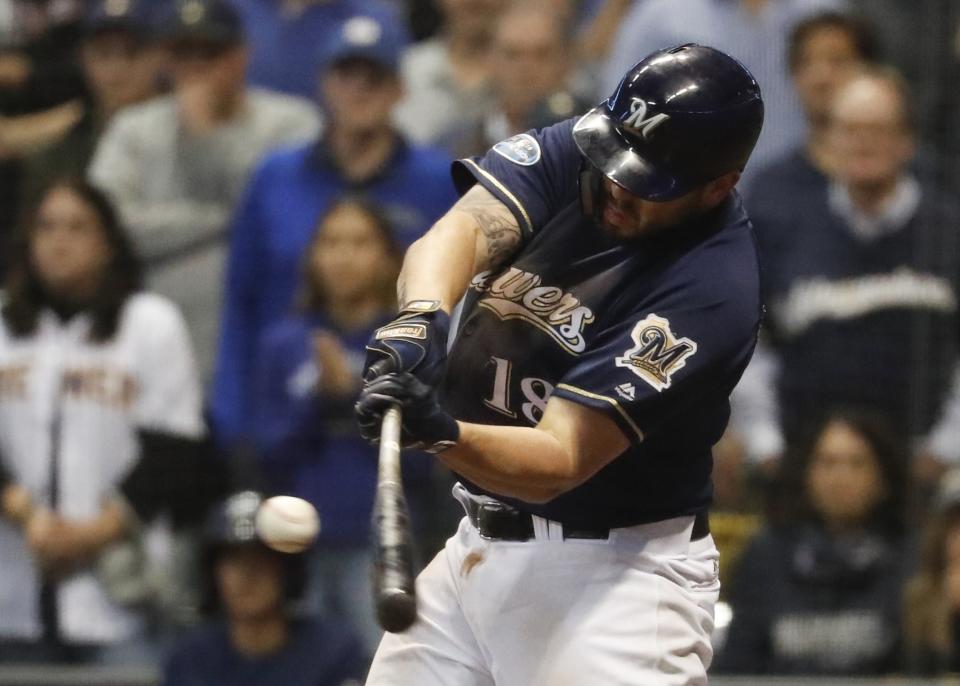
861,285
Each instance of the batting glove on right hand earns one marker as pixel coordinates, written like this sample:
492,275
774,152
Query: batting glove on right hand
414,342
424,426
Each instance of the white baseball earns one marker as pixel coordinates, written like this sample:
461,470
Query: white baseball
287,524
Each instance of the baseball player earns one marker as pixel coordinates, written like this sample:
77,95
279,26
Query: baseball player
611,303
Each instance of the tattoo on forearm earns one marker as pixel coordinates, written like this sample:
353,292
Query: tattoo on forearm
500,229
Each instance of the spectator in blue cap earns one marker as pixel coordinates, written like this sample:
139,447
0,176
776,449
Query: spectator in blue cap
175,166
367,39
360,153
121,63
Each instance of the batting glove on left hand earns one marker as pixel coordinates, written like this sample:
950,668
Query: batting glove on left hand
425,425
415,342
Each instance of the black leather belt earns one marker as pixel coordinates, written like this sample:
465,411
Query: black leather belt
499,522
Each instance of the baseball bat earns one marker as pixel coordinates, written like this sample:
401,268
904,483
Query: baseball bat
393,581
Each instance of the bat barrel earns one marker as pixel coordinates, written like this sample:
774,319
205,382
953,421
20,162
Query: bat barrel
396,611
393,580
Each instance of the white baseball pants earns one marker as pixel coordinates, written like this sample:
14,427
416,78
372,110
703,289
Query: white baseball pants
633,610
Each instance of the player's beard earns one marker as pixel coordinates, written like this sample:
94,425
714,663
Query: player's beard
615,222
628,222
619,222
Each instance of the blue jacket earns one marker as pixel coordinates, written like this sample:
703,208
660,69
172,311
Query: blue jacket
308,442
271,230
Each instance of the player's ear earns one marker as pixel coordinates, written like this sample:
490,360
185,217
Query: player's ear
718,189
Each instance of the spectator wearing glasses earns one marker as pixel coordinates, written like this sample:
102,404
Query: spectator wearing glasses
861,284
824,52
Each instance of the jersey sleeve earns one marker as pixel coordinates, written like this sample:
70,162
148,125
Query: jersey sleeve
673,354
534,174
169,398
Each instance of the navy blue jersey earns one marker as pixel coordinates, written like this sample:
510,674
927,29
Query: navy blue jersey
654,332
317,653
857,322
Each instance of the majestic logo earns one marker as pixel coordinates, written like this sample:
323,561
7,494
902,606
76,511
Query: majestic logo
627,391
637,121
521,149
517,294
658,353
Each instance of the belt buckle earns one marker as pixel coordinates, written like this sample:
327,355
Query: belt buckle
585,534
487,512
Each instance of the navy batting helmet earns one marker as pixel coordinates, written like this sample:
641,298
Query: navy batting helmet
680,118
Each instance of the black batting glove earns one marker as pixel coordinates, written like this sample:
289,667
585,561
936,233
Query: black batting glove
425,425
414,342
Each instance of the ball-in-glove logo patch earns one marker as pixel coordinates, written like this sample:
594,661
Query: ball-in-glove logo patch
658,354
521,149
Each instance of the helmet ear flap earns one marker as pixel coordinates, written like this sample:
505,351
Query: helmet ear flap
591,191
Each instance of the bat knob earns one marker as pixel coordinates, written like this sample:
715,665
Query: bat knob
396,610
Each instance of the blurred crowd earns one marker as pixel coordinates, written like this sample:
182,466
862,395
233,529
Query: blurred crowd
204,206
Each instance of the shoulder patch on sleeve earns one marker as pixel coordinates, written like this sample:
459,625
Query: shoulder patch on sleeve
522,149
657,353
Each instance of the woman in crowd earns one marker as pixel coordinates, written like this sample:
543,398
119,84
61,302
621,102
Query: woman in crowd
932,599
818,592
305,388
99,406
